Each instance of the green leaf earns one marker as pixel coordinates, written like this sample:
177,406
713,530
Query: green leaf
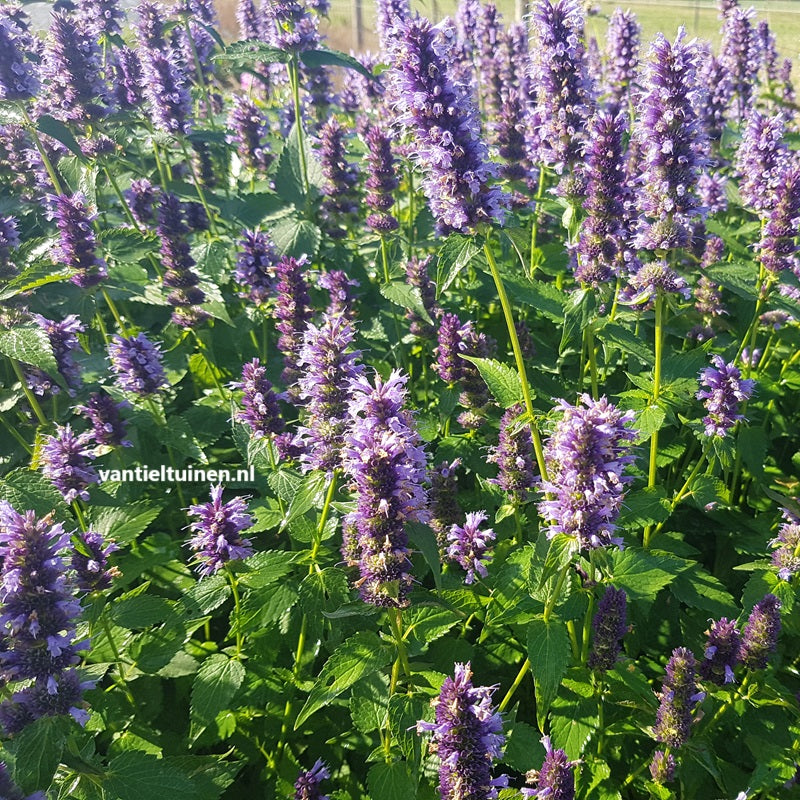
128,245
559,554
60,132
404,713
310,493
215,685
37,752
573,722
289,177
32,277
141,611
407,297
31,491
549,654
135,775
578,314
295,237
264,568
368,708
457,251
643,574
739,278
424,539
645,506
123,525
324,591
628,342
502,380
648,421
30,346
252,52
523,747
391,782
697,588
360,655
333,58
208,594
544,297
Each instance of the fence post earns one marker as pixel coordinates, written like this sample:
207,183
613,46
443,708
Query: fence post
358,24
519,9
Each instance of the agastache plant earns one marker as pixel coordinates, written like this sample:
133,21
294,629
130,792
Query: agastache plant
470,545
556,779
786,556
610,624
721,654
760,634
108,427
724,390
138,365
65,458
77,243
255,266
678,698
260,411
622,57
308,785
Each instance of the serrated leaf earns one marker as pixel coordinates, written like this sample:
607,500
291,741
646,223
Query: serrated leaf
31,491
549,654
309,493
391,782
215,685
265,568
457,251
252,52
573,722
140,611
135,775
332,58
559,554
32,277
645,506
296,237
698,589
523,748
209,593
60,132
37,749
326,590
407,297
546,298
739,278
360,655
643,574
30,346
128,245
404,713
424,539
648,421
123,525
502,380
578,314
628,342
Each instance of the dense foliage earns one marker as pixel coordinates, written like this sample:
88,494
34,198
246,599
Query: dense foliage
409,425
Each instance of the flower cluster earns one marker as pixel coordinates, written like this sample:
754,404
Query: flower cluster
307,786
260,410
725,389
678,697
556,779
514,457
610,624
381,180
585,458
255,266
248,132
292,310
108,427
470,546
65,458
137,363
722,652
786,556
77,243
760,635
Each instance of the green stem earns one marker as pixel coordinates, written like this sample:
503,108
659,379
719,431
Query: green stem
237,606
536,215
31,397
126,209
123,681
553,598
659,334
48,165
590,346
17,435
114,312
201,79
326,510
385,259
523,671
294,81
396,624
523,376
287,709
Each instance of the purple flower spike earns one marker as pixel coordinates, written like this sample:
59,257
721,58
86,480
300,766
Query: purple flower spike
64,343
678,697
10,791
556,779
778,248
384,459
586,456
326,370
260,410
761,160
308,784
760,636
741,55
381,180
255,266
100,17
39,614
92,573
602,236
137,364
662,767
786,556
441,116
341,202
653,277
443,505
514,457
128,78
77,243
18,80
470,546
725,389
673,145
622,56
340,288
217,532
292,310
390,17
417,277
65,461
610,624
721,653
141,198
108,428
467,738
248,133
9,240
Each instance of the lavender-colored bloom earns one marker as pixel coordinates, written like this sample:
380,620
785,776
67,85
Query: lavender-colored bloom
92,573
778,248
443,505
721,653
217,532
559,75
512,146
339,286
673,145
288,25
260,410
71,74
390,15
678,697
340,204
248,20
384,459
418,278
108,427
195,216
443,119
141,198
128,78
137,364
622,56
179,276
326,372
715,79
708,299
10,791
760,635
255,266
725,389
585,457
18,79
788,95
381,180
248,132
9,240
714,250
786,556
514,457
711,190
64,459
768,46
77,244
761,160
775,319
601,241
100,17
292,310
470,546
38,619
741,55
467,737
307,786
449,365
489,46
555,780
64,343
662,767
653,277
610,624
